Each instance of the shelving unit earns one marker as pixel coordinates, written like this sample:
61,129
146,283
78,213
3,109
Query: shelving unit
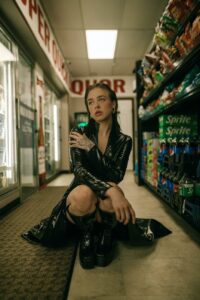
176,74
186,103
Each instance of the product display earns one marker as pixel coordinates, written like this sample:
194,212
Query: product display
177,126
172,92
149,169
169,129
176,35
171,163
179,165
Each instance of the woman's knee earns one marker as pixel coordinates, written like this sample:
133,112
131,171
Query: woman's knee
82,198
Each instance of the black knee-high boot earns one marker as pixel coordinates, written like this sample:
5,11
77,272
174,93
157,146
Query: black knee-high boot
86,250
105,245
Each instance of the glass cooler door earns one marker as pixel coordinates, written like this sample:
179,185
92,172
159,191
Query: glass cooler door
52,133
27,143
49,134
8,162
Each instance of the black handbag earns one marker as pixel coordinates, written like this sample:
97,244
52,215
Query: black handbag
51,231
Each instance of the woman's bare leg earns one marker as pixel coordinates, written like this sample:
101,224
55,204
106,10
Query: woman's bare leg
81,201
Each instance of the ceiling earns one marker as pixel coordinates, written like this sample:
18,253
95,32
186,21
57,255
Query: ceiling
135,21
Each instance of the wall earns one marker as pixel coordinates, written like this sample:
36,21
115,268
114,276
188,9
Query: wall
122,85
75,105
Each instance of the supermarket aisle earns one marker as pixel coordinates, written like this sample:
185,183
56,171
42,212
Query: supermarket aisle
167,270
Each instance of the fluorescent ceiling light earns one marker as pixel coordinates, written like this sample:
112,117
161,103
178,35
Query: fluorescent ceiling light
101,43
6,54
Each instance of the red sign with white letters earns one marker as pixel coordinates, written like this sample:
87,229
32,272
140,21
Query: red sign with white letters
122,86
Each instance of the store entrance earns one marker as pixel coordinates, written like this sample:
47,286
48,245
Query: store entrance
27,150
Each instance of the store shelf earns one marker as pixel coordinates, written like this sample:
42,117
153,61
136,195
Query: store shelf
181,69
177,102
183,65
151,188
192,211
185,103
190,18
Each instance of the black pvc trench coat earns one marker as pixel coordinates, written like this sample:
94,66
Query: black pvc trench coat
96,169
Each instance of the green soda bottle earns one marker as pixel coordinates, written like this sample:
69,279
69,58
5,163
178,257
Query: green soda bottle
186,187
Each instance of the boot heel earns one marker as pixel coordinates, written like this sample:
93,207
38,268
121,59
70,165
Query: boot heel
103,260
106,244
86,248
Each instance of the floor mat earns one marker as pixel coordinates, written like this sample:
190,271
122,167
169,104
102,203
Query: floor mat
32,271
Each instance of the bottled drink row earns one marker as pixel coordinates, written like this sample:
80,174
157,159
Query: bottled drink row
172,167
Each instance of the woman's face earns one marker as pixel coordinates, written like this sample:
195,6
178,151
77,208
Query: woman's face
100,105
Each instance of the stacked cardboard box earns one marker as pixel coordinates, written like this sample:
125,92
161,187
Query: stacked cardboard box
177,126
149,160
152,161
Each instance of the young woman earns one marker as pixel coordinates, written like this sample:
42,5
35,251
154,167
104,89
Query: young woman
99,154
94,203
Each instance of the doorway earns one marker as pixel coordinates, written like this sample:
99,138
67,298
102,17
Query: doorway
125,118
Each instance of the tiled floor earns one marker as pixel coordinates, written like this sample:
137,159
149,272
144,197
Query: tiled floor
168,270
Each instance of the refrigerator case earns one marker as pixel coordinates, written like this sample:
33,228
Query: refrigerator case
27,128
48,131
52,133
8,146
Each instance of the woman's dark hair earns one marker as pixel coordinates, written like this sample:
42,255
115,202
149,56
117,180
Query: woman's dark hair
113,97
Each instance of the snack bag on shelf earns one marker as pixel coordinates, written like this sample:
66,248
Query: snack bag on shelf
141,111
195,31
148,83
179,10
191,4
161,39
174,54
169,25
163,98
153,58
166,63
196,81
187,37
187,81
180,45
157,77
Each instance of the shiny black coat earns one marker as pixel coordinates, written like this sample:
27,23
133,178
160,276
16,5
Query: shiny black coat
96,169
92,168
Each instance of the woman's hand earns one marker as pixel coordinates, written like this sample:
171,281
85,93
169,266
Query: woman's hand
122,208
81,141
